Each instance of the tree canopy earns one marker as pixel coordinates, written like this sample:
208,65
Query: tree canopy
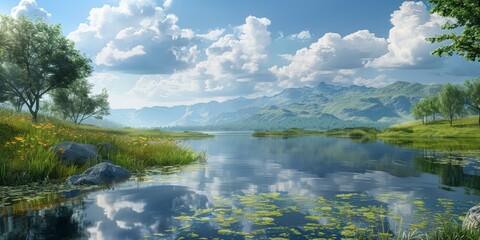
472,96
464,39
35,58
76,103
451,101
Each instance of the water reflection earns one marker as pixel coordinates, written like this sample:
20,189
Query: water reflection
135,213
453,170
63,222
290,188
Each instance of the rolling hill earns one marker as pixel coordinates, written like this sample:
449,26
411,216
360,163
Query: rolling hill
324,106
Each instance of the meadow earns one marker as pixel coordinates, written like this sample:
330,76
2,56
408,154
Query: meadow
25,154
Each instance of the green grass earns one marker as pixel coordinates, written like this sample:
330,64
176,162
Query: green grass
439,135
462,128
292,132
25,154
359,134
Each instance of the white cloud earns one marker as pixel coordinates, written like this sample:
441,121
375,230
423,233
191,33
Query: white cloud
110,54
377,82
302,36
407,46
327,56
30,9
167,3
213,35
228,62
134,36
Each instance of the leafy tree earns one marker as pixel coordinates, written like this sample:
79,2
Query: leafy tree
472,96
451,101
76,103
467,17
9,71
433,107
16,103
39,58
420,110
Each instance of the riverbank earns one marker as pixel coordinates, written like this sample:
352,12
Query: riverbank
438,135
360,134
25,154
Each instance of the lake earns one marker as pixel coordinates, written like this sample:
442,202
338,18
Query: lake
262,188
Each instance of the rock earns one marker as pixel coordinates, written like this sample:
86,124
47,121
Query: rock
76,153
107,147
472,220
102,173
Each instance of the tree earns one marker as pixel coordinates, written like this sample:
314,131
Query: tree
76,103
451,101
420,110
10,72
433,107
467,17
16,103
472,96
39,57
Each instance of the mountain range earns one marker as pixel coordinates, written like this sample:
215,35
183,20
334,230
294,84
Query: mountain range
324,106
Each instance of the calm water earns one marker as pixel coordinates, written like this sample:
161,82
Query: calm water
297,188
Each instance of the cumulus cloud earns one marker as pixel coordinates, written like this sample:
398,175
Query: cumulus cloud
327,56
30,9
233,65
407,47
379,81
136,37
111,54
167,3
302,36
213,35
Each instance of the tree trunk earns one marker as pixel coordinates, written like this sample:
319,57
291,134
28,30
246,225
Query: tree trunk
479,119
35,108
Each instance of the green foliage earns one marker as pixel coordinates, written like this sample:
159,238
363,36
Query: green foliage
466,14
452,231
25,154
462,135
472,96
76,103
451,102
361,134
420,110
428,107
292,132
36,58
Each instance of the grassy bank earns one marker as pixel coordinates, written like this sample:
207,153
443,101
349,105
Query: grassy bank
292,132
25,154
439,135
360,134
461,128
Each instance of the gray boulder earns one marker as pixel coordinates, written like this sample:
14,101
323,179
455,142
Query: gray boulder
102,173
472,220
75,153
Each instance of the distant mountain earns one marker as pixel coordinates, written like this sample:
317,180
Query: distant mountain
322,107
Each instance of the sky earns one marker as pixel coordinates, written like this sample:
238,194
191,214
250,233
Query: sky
171,52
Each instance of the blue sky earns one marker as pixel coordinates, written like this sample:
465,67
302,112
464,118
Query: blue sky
170,52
